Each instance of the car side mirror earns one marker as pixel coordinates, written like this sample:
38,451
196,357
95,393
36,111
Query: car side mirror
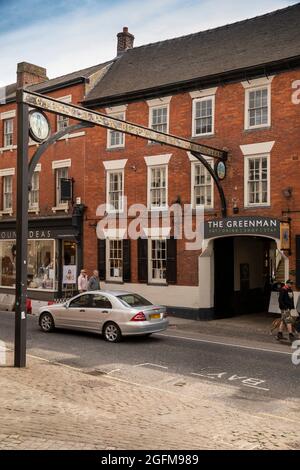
66,304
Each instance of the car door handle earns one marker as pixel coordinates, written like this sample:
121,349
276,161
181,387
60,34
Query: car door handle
81,311
105,311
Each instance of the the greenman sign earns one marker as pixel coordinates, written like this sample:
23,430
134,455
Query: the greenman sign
242,226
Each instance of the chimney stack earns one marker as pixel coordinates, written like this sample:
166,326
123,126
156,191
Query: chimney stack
125,41
29,74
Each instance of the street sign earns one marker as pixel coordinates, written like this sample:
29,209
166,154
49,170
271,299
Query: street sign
83,114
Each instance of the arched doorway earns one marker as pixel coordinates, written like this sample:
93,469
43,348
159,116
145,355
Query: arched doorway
239,272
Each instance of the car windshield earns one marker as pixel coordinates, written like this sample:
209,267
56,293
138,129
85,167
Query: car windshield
133,300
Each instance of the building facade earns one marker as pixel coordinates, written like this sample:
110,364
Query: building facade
229,88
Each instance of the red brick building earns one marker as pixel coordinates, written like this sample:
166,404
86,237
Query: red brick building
233,88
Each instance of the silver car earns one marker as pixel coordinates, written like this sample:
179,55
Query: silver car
111,313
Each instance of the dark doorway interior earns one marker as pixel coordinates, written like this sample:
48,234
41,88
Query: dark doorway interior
243,275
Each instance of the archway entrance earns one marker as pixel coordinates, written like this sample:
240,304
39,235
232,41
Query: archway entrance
244,269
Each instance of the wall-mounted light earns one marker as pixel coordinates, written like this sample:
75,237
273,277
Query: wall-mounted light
287,192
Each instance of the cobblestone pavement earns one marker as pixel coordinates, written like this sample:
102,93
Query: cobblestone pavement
50,406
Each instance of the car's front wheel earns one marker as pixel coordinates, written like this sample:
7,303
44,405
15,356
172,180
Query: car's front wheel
46,322
112,332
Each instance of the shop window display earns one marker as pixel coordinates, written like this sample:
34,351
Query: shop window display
42,267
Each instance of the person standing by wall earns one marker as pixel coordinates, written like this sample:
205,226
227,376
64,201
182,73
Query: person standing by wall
82,281
286,304
94,283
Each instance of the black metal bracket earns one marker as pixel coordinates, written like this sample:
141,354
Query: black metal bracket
44,146
216,180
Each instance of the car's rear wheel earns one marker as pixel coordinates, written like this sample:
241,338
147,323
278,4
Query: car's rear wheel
112,332
47,322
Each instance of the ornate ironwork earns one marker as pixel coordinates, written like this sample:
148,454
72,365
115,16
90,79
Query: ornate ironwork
83,114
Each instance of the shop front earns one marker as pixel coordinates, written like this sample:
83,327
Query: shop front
54,257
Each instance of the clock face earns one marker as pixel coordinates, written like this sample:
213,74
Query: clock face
221,170
39,126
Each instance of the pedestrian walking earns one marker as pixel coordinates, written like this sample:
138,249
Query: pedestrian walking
82,281
94,283
286,304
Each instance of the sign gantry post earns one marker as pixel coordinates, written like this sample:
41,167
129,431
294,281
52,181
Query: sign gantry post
21,231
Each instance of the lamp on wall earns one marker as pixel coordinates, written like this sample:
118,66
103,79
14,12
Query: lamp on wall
287,192
235,206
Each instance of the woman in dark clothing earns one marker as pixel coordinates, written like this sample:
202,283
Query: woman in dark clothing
286,304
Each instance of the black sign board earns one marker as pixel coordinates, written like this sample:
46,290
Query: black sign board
242,226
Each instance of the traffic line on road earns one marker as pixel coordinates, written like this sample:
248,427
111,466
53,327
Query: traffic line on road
150,364
112,371
221,343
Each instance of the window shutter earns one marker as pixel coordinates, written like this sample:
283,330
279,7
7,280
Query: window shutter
126,261
172,261
102,259
298,260
142,260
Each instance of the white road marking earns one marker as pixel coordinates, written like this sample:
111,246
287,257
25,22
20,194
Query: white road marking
202,375
258,388
112,371
150,364
240,346
207,376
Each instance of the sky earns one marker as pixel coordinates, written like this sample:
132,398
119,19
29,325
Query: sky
68,35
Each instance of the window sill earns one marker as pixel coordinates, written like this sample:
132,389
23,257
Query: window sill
258,206
62,207
157,284
6,212
260,128
34,210
8,148
119,147
158,209
203,136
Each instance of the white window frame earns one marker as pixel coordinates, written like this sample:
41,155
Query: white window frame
152,109
213,103
108,276
62,122
5,208
161,207
59,204
152,280
32,207
247,204
253,85
193,176
111,210
118,115
60,118
157,103
5,134
157,161
247,104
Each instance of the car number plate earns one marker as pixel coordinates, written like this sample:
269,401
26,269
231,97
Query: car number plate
154,315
